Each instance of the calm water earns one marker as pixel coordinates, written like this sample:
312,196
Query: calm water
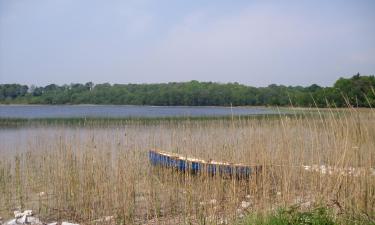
63,111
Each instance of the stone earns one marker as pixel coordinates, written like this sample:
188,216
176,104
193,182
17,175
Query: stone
28,212
17,214
34,220
245,204
67,223
104,219
22,220
12,222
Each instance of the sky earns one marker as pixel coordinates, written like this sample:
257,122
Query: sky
253,42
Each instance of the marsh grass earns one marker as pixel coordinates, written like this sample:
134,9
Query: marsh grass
119,121
84,173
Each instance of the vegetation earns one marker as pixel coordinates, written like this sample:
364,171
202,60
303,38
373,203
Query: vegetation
86,173
113,121
357,91
315,216
294,215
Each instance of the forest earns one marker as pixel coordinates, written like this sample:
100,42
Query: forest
357,91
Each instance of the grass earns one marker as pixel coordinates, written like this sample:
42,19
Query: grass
318,215
315,216
119,121
83,173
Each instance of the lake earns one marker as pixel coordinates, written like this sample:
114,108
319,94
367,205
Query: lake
118,111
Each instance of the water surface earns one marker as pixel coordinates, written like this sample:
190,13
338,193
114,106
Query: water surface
115,111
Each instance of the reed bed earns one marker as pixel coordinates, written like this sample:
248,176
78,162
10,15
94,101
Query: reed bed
101,174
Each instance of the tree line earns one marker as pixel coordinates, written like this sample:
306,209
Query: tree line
356,91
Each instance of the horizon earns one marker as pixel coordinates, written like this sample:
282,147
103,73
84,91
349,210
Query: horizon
258,43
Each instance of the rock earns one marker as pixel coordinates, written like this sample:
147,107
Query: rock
211,202
17,214
307,168
11,222
28,212
22,220
26,217
104,219
34,220
245,204
67,223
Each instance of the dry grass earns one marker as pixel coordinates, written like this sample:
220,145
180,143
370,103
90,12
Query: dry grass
86,173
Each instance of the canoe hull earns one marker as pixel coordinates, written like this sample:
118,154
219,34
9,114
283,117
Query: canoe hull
198,166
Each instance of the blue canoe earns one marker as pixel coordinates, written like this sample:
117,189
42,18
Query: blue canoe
196,166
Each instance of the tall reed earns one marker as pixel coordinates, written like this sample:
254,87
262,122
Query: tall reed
84,173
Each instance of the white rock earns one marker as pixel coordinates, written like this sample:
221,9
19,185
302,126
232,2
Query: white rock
67,223
308,168
22,220
104,219
28,212
245,204
33,220
323,169
54,223
11,222
109,218
17,214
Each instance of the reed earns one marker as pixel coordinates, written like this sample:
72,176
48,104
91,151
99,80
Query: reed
85,173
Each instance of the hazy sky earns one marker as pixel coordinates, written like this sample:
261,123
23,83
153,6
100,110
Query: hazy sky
257,42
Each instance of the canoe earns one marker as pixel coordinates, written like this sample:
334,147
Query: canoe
200,166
